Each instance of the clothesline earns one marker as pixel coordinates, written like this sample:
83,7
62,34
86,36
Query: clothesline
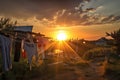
20,34
5,38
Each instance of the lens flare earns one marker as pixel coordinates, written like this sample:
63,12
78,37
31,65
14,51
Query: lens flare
61,36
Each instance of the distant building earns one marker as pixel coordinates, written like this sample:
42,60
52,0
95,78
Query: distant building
101,42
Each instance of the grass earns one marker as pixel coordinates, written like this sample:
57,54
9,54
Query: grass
99,52
43,71
21,71
112,71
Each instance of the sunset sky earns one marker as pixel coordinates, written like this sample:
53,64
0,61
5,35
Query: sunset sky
88,19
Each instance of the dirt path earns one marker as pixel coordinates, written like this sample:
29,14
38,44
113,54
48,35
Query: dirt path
91,72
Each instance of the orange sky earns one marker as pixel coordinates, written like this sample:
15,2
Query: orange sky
89,32
88,19
86,32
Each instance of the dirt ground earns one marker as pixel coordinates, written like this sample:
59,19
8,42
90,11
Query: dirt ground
81,73
93,71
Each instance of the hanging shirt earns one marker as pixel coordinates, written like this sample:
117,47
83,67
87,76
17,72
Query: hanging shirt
31,50
17,50
23,54
23,51
5,50
42,42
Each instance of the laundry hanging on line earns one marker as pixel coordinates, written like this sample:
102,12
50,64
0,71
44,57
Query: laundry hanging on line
17,50
30,50
5,51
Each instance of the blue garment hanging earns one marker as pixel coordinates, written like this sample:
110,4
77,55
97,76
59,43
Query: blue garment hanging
5,50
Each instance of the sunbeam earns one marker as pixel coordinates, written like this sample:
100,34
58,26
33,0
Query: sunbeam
68,54
74,54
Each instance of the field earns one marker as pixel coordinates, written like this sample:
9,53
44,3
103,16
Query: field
95,63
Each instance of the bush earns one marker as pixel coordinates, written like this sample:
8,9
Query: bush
99,52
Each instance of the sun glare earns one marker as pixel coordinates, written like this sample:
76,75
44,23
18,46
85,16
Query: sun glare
61,36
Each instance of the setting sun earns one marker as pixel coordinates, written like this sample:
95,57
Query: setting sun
61,36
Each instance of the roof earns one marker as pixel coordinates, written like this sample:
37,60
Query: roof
23,28
102,39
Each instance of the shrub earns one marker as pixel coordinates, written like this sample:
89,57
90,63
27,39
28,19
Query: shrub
99,52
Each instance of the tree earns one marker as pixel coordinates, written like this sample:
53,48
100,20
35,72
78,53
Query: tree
116,36
6,24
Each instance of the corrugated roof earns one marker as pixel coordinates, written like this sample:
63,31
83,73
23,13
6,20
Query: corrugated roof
23,28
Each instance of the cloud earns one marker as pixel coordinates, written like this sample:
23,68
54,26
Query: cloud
100,7
110,19
116,18
55,12
107,19
85,18
40,8
90,9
